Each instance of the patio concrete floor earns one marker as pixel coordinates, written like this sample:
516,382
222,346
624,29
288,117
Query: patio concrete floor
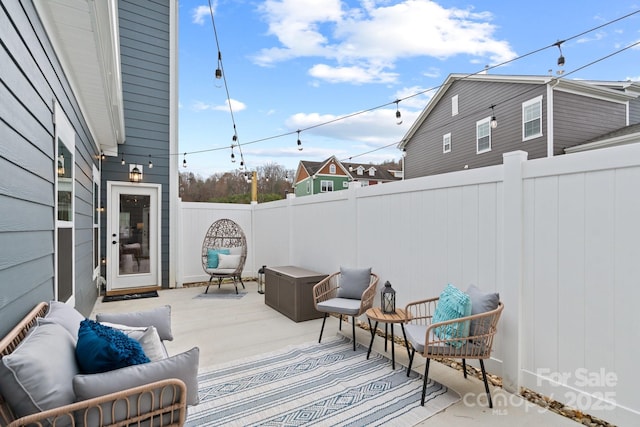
229,329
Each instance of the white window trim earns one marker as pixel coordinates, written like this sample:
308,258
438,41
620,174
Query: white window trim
332,168
446,143
486,121
326,183
526,104
96,224
454,105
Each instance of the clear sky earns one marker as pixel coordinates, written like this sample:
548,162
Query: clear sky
295,64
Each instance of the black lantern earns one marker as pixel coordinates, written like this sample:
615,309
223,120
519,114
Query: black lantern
261,279
388,299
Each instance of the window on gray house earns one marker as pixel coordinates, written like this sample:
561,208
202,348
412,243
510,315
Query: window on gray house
446,143
483,135
532,118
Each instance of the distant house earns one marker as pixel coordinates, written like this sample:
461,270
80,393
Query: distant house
87,96
333,175
472,120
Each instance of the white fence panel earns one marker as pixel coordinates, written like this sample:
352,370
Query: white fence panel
558,238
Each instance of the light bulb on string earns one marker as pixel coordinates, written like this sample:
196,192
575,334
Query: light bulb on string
398,114
122,162
299,142
233,156
494,121
150,162
184,161
561,57
219,69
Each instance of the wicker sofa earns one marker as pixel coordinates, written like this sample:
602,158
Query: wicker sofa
41,384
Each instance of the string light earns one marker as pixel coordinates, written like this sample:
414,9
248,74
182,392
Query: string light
560,63
560,58
233,156
184,162
398,115
219,69
494,121
299,142
122,162
150,162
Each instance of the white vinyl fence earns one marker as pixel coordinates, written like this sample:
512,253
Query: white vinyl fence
558,238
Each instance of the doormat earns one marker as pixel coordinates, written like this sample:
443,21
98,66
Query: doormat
124,297
219,294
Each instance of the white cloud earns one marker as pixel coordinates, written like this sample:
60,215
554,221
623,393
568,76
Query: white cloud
203,106
596,37
353,74
200,14
373,128
376,35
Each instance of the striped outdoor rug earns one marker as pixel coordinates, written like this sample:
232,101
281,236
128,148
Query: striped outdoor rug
325,384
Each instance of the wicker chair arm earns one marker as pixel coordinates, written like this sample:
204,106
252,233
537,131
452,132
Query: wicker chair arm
477,345
325,289
369,294
173,409
420,312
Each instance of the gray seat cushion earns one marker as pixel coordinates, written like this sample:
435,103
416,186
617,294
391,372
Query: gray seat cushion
347,306
416,335
38,375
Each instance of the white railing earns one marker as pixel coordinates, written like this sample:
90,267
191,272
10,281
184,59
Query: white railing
558,238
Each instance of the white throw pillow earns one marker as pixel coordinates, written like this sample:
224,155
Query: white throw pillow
147,337
228,261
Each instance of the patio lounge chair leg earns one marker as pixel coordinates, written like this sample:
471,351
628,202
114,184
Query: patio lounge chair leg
424,382
353,328
324,319
411,354
219,282
340,325
235,283
241,282
464,367
207,290
486,385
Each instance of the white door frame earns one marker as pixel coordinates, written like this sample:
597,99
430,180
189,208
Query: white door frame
117,283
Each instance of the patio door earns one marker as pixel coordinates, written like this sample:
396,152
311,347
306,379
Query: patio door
133,237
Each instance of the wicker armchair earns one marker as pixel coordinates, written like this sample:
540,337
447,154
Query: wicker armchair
421,335
156,403
224,234
326,300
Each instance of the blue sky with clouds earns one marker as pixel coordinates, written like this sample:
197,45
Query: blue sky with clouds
296,64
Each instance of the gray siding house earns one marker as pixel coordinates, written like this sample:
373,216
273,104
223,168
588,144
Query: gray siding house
87,93
472,120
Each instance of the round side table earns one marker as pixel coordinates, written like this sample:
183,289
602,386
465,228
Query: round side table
400,316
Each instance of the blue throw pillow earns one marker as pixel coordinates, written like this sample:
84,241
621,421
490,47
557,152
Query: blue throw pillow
101,349
212,256
453,304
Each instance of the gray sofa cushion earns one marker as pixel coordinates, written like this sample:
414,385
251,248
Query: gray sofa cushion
65,316
183,366
38,375
159,317
353,282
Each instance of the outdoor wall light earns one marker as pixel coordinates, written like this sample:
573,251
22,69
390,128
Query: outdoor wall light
135,173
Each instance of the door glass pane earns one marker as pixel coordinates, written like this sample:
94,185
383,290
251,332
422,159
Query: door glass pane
134,234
